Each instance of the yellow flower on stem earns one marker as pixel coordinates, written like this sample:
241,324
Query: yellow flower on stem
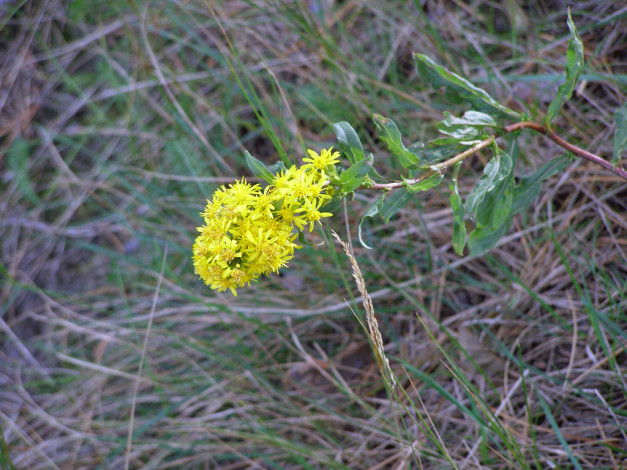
312,214
249,232
321,161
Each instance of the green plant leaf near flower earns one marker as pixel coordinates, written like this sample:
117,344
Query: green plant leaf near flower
389,133
372,210
497,203
459,225
353,177
428,183
481,239
348,141
496,170
620,134
574,64
393,203
435,151
258,168
467,128
458,90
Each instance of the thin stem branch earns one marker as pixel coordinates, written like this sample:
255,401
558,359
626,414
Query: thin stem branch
441,167
570,147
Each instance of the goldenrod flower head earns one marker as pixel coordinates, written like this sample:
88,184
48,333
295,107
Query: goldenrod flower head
249,231
325,159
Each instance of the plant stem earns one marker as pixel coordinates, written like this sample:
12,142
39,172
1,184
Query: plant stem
484,143
434,168
570,147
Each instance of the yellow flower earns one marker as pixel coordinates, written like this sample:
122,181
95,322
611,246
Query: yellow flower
249,232
320,162
312,214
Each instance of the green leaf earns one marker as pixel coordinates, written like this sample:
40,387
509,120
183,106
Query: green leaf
435,151
459,90
496,205
496,170
482,239
462,135
371,212
277,167
17,160
258,168
354,176
301,239
494,214
459,226
333,205
389,133
574,64
395,201
468,137
425,184
348,141
620,135
468,127
529,186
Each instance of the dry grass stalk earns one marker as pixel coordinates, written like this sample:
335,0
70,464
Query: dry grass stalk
373,325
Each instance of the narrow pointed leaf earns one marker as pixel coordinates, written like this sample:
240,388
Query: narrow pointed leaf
348,141
468,127
434,152
258,168
431,182
574,64
389,133
276,167
459,226
482,239
395,201
371,212
494,214
354,176
303,240
497,204
458,90
620,135
496,170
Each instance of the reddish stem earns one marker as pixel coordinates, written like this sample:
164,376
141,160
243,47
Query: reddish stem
570,147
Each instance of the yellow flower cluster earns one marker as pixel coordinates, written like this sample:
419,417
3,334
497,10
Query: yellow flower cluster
249,231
